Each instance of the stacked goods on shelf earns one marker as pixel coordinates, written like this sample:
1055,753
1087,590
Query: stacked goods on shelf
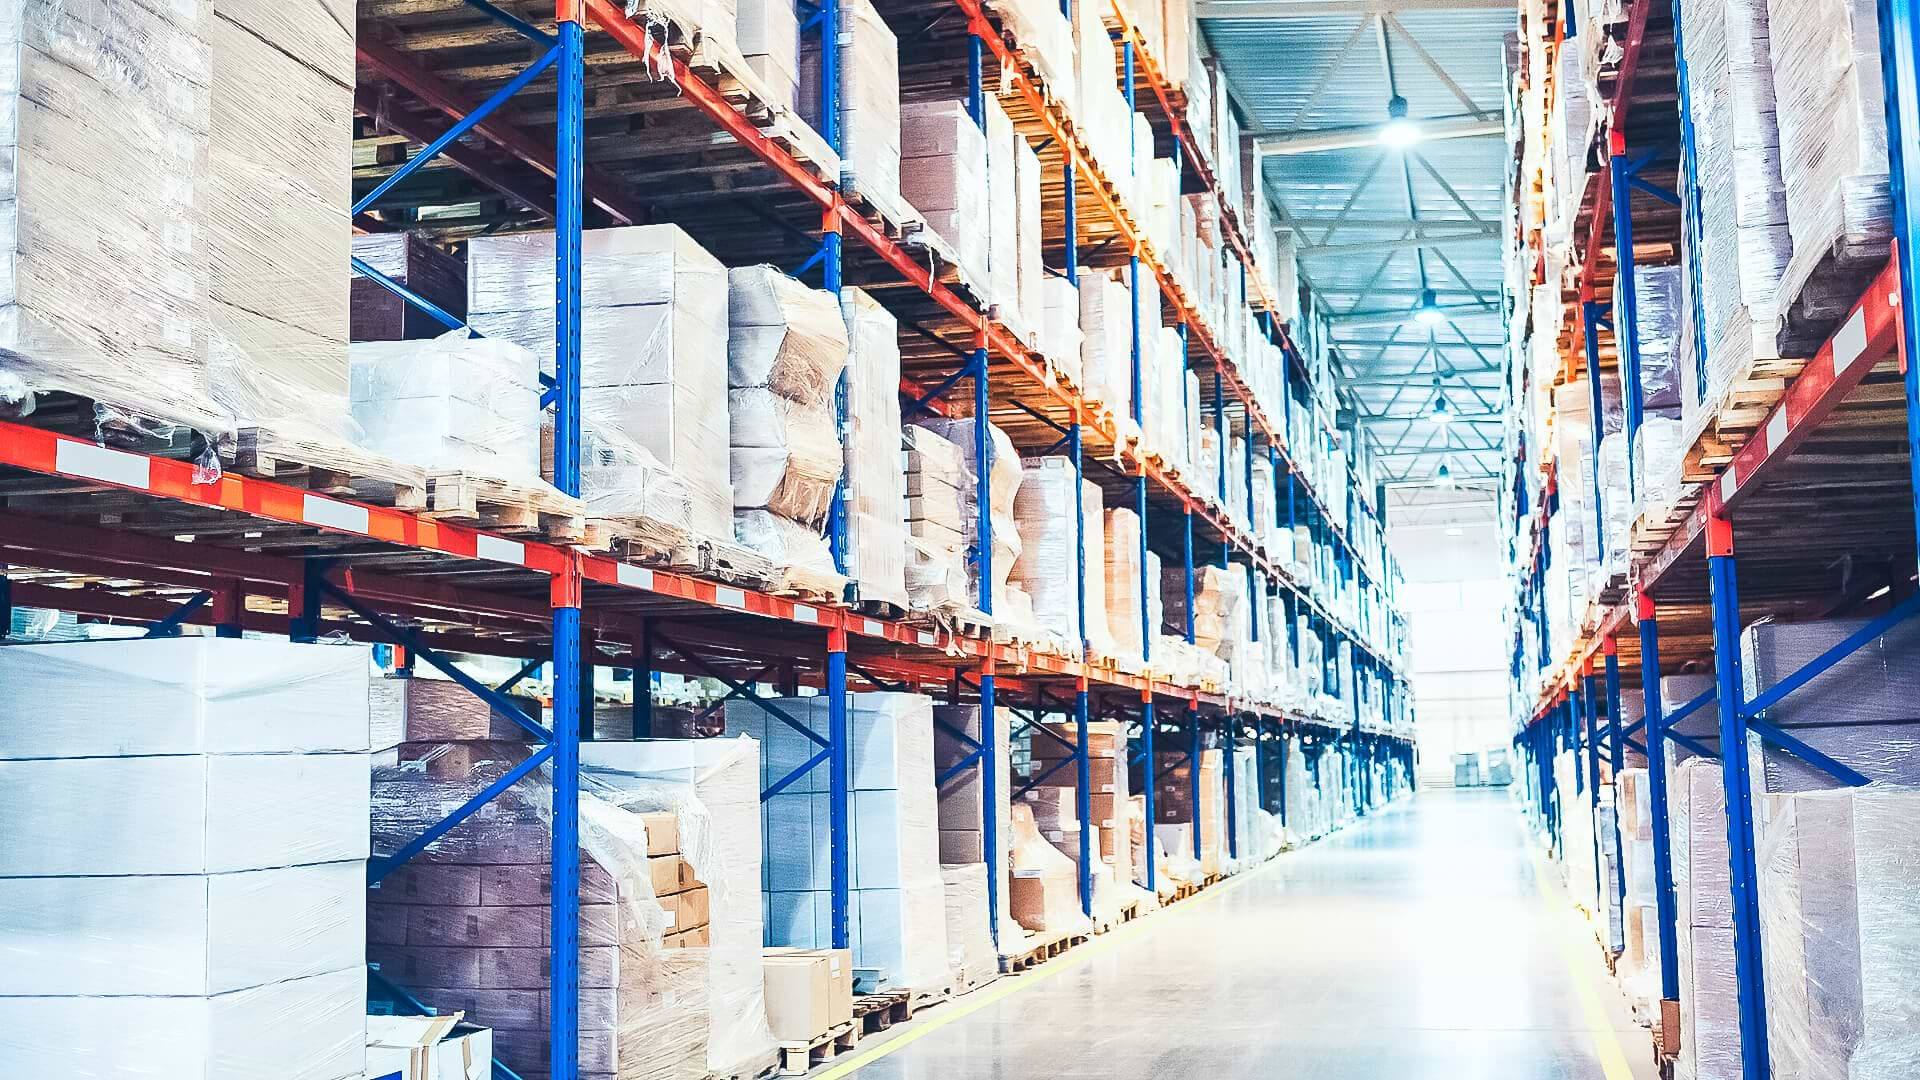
1665,378
768,35
1054,801
272,219
1833,154
1174,809
652,369
1122,583
809,992
1606,824
181,889
1276,633
1032,271
786,351
377,313
1060,334
1106,344
1058,540
1003,296
957,735
1569,132
1256,833
868,106
943,173
123,323
711,787
1595,513
1709,997
939,489
896,903
876,554
1217,595
451,404
1044,890
1639,967
1737,148
1003,483
1266,525
970,950
1045,40
1235,481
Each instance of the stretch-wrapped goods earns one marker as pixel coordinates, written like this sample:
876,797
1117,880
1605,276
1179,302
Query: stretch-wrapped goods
1858,712
943,173
1049,565
1106,343
413,260
876,556
1060,334
962,795
970,950
1123,581
1709,1008
454,403
868,103
1003,223
1829,101
652,348
1003,484
768,33
182,894
897,906
939,490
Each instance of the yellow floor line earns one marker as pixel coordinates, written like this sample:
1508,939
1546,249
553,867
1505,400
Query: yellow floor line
1606,1043
1010,986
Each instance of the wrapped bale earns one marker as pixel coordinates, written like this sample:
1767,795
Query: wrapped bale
1044,894
962,797
939,490
1051,528
183,887
897,906
1060,335
943,173
1123,582
1004,299
768,34
869,106
1003,484
452,403
1106,342
1829,100
410,259
652,349
876,555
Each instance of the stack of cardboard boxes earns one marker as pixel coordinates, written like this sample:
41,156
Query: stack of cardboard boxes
809,992
939,488
943,173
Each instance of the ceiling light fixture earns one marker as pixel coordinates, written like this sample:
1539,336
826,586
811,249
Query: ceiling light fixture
1429,313
1444,474
1399,131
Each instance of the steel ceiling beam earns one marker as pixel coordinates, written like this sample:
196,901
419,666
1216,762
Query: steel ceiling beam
1405,315
1347,138
1293,9
1423,238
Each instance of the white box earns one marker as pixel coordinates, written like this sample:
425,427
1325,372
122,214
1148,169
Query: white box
428,1048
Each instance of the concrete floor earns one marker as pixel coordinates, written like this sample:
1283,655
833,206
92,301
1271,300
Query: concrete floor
1416,945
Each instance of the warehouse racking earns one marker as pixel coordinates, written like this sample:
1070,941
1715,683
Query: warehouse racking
139,533
1800,502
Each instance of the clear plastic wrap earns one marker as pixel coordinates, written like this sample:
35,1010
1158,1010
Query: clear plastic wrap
876,555
653,343
801,556
768,35
1003,484
1106,343
784,336
869,105
785,455
1859,711
970,951
1838,907
1659,450
1829,100
1048,567
200,910
939,488
453,403
943,173
622,481
1657,317
1060,335
1032,271
276,235
962,813
1122,581
1044,892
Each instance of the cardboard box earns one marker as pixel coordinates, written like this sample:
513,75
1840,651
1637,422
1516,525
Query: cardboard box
696,938
663,833
427,1048
671,874
808,991
690,910
962,846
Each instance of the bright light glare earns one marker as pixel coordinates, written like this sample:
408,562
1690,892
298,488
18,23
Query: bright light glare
1456,531
1429,316
1400,133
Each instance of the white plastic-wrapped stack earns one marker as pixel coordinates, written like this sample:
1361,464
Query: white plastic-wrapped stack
1027,238
943,173
939,490
1100,113
1106,343
1003,485
1667,382
971,954
1123,582
1060,335
869,106
652,361
452,403
1218,593
962,810
897,903
876,555
123,323
712,787
1829,99
1746,247
1569,127
1049,567
272,218
182,893
768,34
786,350
1040,30
1640,924
1709,1003
1002,226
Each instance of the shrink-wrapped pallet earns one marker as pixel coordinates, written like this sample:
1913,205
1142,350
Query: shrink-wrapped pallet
970,951
943,173
1838,910
868,104
768,34
1217,595
274,215
1048,567
1040,31
876,555
652,350
1829,102
104,272
451,403
939,490
410,259
1123,579
711,787
1745,246
1032,270
1060,334
1709,1011
1002,226
1003,485
1106,343
182,894
962,796
1859,711
897,904
1044,892
622,481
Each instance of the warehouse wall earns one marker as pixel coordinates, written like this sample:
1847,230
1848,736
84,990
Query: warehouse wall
1455,595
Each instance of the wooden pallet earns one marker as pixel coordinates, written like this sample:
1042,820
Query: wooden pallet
877,1012
505,507
1039,949
1823,285
796,1058
328,469
1717,432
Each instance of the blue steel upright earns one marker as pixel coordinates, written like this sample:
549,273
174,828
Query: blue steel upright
563,1050
1748,971
1666,906
1626,333
1083,788
1616,758
1900,69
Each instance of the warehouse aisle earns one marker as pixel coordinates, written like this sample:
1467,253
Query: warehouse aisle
1415,946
